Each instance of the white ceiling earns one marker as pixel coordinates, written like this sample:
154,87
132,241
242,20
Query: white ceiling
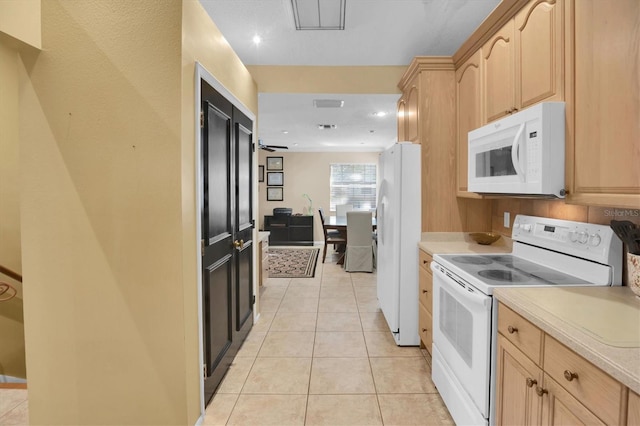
377,32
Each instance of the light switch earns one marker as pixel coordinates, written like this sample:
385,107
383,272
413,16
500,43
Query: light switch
507,219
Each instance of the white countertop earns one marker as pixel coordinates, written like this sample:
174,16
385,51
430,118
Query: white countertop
460,242
602,324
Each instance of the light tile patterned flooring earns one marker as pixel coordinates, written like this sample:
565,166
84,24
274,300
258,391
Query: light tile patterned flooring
13,407
322,354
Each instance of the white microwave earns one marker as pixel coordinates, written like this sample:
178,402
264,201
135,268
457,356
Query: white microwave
522,154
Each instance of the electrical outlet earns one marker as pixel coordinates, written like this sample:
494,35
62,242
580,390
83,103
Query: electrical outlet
507,219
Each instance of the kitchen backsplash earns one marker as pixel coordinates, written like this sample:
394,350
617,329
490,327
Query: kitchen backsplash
557,209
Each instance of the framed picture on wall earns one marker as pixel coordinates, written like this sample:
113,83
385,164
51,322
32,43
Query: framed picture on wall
274,163
275,178
260,173
275,193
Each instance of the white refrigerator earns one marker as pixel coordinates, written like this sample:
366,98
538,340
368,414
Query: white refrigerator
399,231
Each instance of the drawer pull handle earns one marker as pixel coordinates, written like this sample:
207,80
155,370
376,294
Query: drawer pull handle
531,382
570,375
541,391
511,329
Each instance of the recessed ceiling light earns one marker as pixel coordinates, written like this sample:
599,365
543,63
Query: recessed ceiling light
256,39
285,132
379,114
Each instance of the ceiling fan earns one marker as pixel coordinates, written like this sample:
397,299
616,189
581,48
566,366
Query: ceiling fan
270,148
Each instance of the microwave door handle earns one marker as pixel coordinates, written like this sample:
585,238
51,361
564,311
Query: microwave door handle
515,157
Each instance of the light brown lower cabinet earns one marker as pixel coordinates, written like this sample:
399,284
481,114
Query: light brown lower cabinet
425,298
517,381
562,388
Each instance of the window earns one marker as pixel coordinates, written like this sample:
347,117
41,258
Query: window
353,184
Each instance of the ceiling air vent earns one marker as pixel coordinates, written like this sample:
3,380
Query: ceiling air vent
328,103
326,126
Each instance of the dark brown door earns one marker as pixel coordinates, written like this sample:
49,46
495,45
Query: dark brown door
227,230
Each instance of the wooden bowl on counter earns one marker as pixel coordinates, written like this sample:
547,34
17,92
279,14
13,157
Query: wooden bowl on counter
484,238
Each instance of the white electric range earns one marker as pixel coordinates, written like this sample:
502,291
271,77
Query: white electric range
546,252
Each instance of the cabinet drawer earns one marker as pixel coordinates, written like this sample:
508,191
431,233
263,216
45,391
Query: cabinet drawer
526,336
425,326
586,382
426,287
425,260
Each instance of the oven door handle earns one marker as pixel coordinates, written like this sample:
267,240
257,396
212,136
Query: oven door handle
452,283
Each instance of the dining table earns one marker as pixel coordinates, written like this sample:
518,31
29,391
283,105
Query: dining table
339,223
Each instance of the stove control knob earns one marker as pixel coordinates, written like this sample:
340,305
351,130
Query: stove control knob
573,236
583,237
596,240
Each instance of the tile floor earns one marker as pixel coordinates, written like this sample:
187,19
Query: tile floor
322,354
13,407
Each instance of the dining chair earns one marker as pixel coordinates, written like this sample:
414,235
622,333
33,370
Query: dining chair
359,253
342,209
331,236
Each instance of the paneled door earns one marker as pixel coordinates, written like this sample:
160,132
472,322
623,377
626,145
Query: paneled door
227,229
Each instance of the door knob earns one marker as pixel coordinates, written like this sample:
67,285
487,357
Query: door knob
238,244
541,391
570,375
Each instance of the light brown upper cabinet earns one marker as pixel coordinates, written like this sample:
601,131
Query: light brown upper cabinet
523,62
411,114
498,65
469,115
539,53
603,145
401,120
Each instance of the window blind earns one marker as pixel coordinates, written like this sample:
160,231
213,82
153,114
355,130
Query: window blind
353,184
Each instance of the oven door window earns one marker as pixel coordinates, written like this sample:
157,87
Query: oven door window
456,324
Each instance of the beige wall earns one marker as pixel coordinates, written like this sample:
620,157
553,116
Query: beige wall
307,173
20,21
339,79
108,209
204,43
19,30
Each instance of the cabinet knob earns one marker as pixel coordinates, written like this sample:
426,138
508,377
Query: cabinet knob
424,330
425,291
570,375
531,382
540,391
511,329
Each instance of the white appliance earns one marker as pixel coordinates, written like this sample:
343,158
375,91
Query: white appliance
399,231
520,154
546,252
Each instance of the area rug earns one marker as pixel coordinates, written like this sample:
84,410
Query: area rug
292,262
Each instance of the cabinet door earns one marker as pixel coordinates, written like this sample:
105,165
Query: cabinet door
516,384
498,74
411,114
560,408
401,120
603,154
633,413
469,116
539,53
